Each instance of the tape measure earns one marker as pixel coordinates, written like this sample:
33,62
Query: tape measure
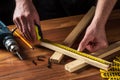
114,72
110,74
98,62
117,58
38,32
116,78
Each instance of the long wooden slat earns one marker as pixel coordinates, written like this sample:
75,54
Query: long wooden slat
79,64
94,62
57,57
75,65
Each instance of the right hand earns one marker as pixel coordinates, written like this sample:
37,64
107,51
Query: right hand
25,17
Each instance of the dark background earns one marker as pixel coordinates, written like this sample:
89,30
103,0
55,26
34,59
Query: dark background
48,9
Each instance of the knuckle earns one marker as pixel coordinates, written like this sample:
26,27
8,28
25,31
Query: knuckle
15,18
22,16
23,31
105,45
27,15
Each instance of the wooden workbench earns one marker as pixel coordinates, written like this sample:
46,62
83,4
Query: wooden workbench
11,68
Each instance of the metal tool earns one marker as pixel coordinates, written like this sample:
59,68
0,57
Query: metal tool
7,40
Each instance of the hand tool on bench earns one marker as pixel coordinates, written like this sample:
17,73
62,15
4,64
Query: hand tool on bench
57,56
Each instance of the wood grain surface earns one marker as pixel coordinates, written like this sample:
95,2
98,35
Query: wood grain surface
11,68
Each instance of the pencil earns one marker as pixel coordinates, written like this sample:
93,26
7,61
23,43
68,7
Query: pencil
28,44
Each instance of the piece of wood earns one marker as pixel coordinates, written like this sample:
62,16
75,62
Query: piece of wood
80,27
76,56
75,65
79,64
57,57
11,68
108,51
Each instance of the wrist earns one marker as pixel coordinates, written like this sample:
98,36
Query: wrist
99,23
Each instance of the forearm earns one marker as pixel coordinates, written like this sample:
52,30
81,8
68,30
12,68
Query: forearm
23,1
103,10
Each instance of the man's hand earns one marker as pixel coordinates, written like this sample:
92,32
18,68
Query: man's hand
25,17
94,39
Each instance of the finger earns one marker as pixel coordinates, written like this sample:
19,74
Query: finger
97,46
90,48
92,45
25,30
18,23
31,28
83,44
37,21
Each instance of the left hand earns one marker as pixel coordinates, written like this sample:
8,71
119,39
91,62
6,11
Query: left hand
94,39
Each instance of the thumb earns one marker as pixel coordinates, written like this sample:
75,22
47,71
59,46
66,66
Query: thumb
37,21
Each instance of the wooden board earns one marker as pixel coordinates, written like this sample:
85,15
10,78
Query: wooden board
11,68
70,39
79,64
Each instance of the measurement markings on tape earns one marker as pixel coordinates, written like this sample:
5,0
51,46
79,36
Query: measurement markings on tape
98,62
115,78
114,72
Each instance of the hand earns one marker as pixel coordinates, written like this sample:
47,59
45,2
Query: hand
94,39
25,17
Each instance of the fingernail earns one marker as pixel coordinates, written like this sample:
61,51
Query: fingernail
80,49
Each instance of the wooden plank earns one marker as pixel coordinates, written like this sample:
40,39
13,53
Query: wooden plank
80,26
76,65
57,57
11,68
76,56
